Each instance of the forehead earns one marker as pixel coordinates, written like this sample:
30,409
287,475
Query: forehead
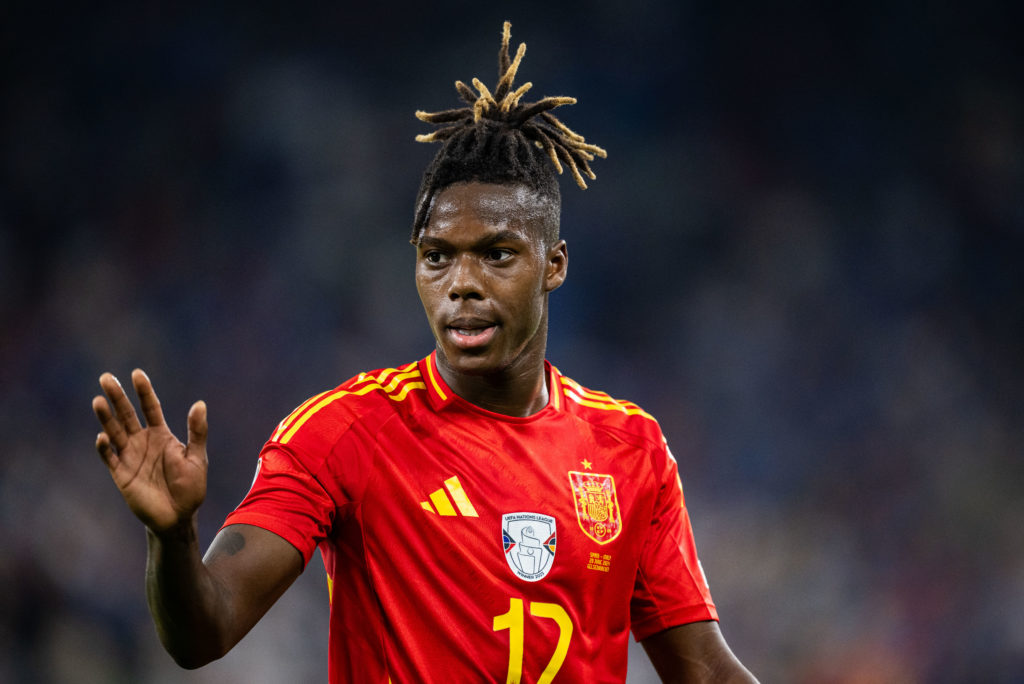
486,205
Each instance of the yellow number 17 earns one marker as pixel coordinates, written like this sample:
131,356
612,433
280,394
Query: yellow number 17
513,622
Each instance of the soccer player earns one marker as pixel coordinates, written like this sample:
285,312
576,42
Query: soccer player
482,517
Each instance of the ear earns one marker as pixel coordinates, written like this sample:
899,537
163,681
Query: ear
557,266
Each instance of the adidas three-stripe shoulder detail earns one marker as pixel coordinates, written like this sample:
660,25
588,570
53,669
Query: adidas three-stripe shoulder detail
599,400
395,383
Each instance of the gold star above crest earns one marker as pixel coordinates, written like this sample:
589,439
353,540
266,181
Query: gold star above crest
587,464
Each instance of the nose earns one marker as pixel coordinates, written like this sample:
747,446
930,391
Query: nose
464,280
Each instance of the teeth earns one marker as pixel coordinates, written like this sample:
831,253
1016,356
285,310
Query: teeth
471,332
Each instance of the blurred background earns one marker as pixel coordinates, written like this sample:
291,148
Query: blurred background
803,254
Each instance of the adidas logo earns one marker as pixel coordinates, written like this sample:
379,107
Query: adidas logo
441,504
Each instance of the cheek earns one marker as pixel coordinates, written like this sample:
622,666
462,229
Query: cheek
427,293
529,305
419,290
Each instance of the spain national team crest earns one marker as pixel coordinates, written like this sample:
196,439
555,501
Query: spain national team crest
529,540
597,507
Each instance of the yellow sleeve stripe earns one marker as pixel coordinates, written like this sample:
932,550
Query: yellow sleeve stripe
406,388
286,423
283,425
398,389
383,376
624,406
329,399
396,380
598,396
584,392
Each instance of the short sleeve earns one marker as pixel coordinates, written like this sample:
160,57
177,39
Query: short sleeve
288,500
312,471
670,586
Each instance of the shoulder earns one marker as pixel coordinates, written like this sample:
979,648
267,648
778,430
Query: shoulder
603,411
368,399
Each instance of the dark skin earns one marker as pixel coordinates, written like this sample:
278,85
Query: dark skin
202,607
484,274
485,264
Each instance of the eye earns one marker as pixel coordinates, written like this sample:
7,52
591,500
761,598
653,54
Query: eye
434,256
499,254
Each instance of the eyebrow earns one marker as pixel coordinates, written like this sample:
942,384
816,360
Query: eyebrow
482,243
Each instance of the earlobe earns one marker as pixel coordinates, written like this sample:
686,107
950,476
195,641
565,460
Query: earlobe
558,266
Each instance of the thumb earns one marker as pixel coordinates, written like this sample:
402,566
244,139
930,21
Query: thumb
197,427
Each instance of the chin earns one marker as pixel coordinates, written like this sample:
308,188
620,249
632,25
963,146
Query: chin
468,363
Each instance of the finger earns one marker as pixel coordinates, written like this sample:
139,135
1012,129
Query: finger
147,398
106,451
122,405
111,425
197,425
197,431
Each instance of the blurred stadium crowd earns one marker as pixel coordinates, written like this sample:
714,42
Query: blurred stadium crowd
803,255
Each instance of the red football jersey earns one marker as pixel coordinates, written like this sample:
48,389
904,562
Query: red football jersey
463,545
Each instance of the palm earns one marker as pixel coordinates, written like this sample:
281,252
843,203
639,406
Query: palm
160,484
162,480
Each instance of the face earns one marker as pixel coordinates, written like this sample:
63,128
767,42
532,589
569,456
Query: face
483,272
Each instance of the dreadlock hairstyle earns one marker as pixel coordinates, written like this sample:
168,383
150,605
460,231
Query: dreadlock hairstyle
498,139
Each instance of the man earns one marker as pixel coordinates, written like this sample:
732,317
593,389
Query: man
481,516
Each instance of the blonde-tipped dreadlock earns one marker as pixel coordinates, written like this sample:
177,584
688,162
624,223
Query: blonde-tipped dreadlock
533,119
497,138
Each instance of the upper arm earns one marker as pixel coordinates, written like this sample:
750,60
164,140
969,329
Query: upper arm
695,652
670,587
253,567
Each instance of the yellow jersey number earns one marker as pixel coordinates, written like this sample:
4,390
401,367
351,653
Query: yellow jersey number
513,621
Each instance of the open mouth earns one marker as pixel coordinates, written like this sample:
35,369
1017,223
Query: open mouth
471,335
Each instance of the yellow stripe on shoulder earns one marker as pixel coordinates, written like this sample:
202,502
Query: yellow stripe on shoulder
284,424
586,393
318,406
400,381
600,400
397,379
401,394
382,376
290,419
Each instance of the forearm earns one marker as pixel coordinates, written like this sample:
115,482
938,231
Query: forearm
189,607
722,670
695,652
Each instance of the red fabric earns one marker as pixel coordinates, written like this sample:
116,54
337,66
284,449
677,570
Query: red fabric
416,591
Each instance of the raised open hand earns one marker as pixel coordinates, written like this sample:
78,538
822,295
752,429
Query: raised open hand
162,480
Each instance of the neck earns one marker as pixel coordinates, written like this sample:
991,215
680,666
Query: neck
519,390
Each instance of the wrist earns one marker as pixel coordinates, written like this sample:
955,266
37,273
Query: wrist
183,532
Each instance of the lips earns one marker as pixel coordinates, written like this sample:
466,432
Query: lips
470,333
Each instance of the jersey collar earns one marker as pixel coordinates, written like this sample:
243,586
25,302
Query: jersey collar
441,395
